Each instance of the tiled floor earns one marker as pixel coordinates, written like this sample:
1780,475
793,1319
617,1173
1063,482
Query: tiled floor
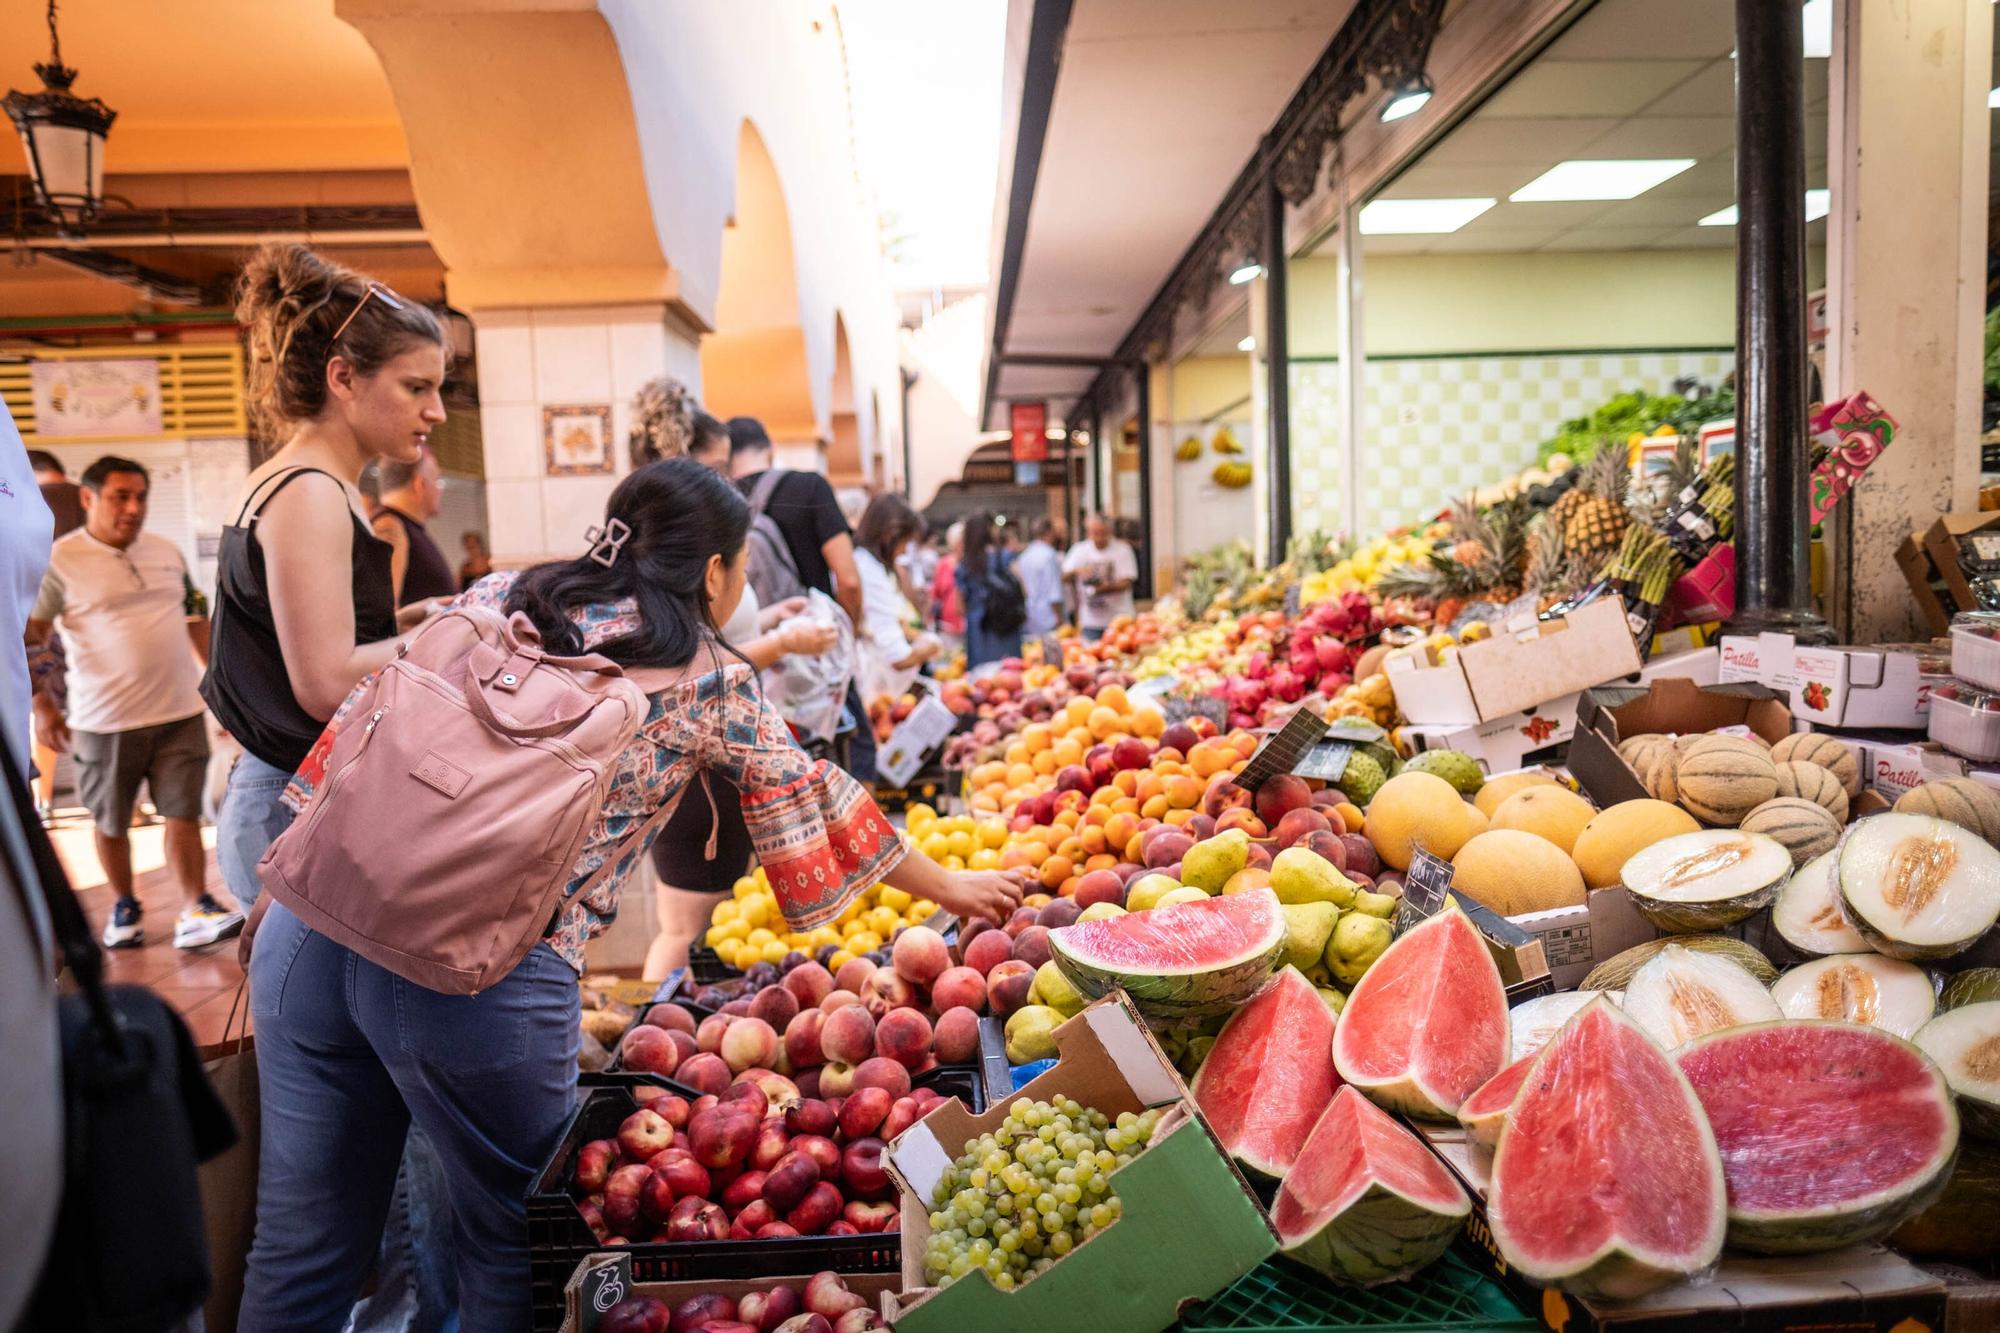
201,983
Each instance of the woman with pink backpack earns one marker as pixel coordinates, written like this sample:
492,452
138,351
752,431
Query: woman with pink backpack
352,1052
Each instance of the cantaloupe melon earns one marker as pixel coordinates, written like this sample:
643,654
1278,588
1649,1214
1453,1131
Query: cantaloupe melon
1554,813
1479,822
1810,782
1806,829
1661,776
1721,779
1417,810
1614,835
1963,801
1499,789
1638,752
1816,747
1514,872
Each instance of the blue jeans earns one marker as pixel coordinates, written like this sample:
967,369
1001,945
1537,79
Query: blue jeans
349,1056
249,821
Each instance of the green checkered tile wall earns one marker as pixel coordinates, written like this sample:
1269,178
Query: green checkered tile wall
1438,427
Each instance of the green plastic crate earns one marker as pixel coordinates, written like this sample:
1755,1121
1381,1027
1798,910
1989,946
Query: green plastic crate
1280,1295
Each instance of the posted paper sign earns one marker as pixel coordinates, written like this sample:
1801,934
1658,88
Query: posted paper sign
96,398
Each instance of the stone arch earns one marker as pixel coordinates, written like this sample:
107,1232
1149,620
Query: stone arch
845,464
754,364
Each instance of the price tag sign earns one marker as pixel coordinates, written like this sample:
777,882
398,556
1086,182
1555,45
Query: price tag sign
1326,761
599,1287
1292,595
1426,885
1282,752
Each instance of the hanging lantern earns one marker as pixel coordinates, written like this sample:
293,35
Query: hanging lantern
64,138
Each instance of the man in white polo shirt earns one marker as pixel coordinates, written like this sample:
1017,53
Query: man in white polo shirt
129,619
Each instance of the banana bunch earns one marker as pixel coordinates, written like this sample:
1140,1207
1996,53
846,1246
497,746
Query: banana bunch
1225,441
1232,473
1189,449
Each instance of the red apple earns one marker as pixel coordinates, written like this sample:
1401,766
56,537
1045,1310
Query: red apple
863,1112
861,1168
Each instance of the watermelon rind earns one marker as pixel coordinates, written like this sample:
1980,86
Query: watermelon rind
1484,1113
1916,887
1172,984
1706,880
1470,1017
1389,1220
1965,1042
1269,1076
1560,1159
1785,1138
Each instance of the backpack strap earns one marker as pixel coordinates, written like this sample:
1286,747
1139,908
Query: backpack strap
767,485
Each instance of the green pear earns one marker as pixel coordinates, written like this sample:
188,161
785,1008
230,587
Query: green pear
1302,876
1335,1000
1357,942
1181,896
1145,892
1053,989
1208,865
1308,926
1376,904
1031,1034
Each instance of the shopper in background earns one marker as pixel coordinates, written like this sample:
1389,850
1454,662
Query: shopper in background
853,502
1040,568
890,659
351,1054
947,607
48,667
995,607
915,565
304,607
477,563
411,495
123,599
1102,570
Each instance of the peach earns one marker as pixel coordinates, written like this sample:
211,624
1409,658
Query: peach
836,1079
1223,794
903,1035
847,1036
649,1050
1281,795
1032,945
704,1072
671,1017
750,1043
861,1113
802,1048
839,999
988,950
1297,825
1247,879
1241,816
1258,855
1023,918
1200,827
920,955
961,987
1007,986
1329,846
1064,911
809,983
1163,849
886,1074
956,1038
708,1037
777,1005
852,974
888,989
1131,753
1099,886
1361,857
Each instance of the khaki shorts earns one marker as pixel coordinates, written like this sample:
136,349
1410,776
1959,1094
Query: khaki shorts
171,759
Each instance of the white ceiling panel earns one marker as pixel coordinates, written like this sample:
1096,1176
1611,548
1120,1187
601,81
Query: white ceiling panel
1609,238
1587,87
1525,142
1666,136
1498,238
1710,91
1437,180
1677,30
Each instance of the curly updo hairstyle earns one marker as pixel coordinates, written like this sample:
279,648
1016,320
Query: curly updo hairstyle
292,301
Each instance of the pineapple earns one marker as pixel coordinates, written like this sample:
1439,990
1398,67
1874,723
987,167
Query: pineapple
1593,515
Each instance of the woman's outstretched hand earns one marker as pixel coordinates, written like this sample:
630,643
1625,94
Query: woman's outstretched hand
993,894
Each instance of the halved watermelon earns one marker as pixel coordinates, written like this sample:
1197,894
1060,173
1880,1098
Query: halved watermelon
1484,1113
1428,1023
1607,1182
1189,961
1830,1133
1269,1075
1367,1202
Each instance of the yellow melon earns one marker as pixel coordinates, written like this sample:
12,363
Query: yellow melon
1479,821
1514,872
1499,789
1619,831
1555,813
1416,810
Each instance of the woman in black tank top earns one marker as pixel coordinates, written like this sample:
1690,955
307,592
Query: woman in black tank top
346,372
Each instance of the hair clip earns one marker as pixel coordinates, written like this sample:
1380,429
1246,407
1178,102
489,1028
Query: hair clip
605,542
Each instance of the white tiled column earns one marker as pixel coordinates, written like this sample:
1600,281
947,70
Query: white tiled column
531,359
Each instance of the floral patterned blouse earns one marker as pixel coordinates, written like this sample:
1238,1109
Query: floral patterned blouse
818,835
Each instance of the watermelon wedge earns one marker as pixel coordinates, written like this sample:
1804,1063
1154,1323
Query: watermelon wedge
1428,1023
1831,1133
1188,961
1366,1202
1270,1075
1607,1182
1484,1113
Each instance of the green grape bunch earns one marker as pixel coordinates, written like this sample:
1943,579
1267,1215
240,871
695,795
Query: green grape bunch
1023,1196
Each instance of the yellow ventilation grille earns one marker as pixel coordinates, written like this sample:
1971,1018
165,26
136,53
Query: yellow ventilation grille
201,389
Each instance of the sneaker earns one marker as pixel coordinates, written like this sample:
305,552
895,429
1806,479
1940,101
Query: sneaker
123,930
205,923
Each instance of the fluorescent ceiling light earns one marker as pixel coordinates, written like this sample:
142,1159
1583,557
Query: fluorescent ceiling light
1818,20
1245,274
1408,99
1420,217
1818,204
1599,178
1247,345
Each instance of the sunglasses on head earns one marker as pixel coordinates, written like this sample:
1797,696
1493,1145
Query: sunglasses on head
375,289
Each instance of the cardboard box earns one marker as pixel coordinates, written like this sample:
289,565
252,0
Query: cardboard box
1576,939
1518,671
1935,601
1941,542
1672,706
1873,686
605,1279
926,728
1861,1289
1758,659
1518,740
1190,1225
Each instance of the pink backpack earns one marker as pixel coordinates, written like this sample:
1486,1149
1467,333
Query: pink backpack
456,799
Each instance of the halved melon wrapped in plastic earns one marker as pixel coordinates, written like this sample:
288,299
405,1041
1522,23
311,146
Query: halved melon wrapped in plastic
1681,995
1966,1044
1532,1023
1615,972
1861,988
1831,1134
1807,913
1707,880
1607,1181
1484,1113
1918,887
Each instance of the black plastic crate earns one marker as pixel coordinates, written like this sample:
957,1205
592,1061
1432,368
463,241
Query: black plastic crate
559,1240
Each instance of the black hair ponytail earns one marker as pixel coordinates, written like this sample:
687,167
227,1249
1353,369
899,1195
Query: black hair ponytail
679,513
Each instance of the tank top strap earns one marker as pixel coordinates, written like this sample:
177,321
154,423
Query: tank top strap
253,506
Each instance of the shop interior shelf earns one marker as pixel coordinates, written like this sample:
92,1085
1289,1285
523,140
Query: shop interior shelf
1280,1294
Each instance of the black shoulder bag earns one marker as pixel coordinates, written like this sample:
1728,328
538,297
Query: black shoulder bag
130,1252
